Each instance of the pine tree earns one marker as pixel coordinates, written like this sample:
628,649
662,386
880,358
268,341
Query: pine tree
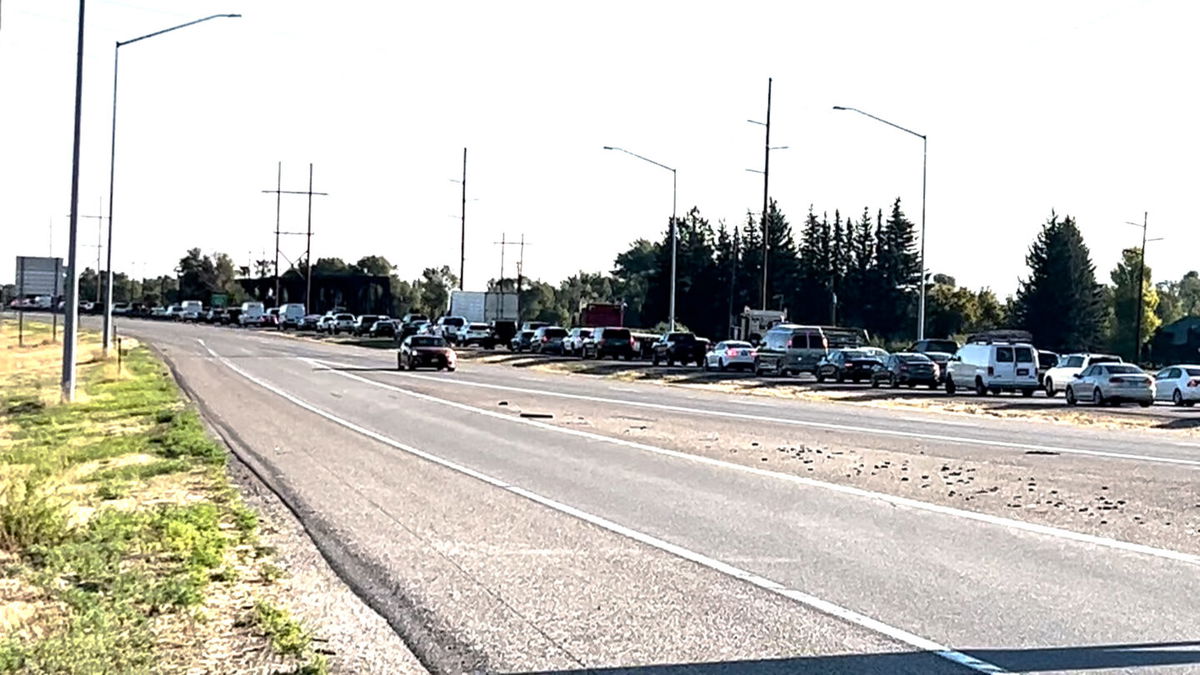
1060,301
896,273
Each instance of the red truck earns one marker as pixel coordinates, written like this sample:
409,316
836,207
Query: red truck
599,314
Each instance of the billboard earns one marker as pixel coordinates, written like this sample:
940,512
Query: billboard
40,276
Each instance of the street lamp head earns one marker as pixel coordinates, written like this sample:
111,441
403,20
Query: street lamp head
839,107
609,147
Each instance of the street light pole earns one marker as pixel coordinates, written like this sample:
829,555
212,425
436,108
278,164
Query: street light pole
924,165
71,307
112,164
766,184
674,246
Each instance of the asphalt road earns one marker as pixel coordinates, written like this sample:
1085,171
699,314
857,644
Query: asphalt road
514,521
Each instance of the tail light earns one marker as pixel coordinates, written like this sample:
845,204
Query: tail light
545,339
632,343
1194,382
731,352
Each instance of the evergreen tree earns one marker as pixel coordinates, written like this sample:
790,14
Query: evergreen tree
748,282
1060,302
897,273
1125,305
783,260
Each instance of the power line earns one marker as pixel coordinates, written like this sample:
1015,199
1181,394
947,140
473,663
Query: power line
279,192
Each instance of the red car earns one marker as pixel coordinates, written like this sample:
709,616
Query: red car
432,351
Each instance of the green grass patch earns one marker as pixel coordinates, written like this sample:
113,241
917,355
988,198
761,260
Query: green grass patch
108,577
287,636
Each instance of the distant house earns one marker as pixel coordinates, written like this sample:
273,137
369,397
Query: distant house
1177,342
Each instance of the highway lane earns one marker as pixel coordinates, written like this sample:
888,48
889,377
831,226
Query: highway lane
959,582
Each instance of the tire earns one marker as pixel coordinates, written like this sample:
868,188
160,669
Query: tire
1070,395
893,382
980,390
399,363
841,378
411,365
950,388
654,361
820,378
721,365
1026,393
1098,397
450,369
912,385
1051,392
874,383
757,367
1177,399
1145,404
933,386
704,365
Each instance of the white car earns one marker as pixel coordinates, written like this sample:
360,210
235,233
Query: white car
1178,384
252,314
193,310
573,343
448,326
343,322
1070,365
1111,384
474,334
730,354
326,324
175,312
992,367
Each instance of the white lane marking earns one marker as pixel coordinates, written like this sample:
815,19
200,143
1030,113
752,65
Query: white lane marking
922,420
801,480
824,606
816,425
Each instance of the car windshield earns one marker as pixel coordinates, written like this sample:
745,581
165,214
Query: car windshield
948,346
1106,359
1123,369
855,354
1193,372
453,321
478,326
913,358
618,334
555,332
427,341
584,332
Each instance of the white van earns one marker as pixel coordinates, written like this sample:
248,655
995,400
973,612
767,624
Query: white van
994,367
191,310
290,315
252,314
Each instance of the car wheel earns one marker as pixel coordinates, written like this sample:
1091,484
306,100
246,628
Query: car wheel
874,383
980,390
399,362
1050,391
758,371
841,378
449,369
1027,393
950,388
1177,398
654,361
1098,397
1145,404
893,382
820,378
721,365
1070,395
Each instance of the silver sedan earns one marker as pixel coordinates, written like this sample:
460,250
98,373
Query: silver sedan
1111,384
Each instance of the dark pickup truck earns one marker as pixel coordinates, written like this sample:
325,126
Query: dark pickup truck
683,348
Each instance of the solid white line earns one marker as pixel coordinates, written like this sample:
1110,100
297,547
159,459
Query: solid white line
848,615
1010,523
817,425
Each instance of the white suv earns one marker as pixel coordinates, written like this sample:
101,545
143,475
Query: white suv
1070,365
993,367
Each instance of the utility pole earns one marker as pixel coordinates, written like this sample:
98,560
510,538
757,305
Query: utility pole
732,284
279,192
1141,295
503,244
520,274
462,256
71,309
766,187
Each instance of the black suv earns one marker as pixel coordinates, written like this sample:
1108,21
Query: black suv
612,341
682,347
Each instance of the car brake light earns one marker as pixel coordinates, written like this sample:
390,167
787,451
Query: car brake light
633,343
1194,383
545,339
731,352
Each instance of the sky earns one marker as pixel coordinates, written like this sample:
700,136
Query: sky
1083,108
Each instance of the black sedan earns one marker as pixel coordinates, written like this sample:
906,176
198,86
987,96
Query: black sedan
855,365
906,368
432,351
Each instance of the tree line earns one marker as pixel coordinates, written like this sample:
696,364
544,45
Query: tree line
861,271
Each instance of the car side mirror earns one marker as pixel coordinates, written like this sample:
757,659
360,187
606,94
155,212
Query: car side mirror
1079,376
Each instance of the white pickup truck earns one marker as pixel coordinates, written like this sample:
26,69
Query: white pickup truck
1070,365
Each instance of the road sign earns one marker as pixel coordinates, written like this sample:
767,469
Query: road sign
40,276
219,300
